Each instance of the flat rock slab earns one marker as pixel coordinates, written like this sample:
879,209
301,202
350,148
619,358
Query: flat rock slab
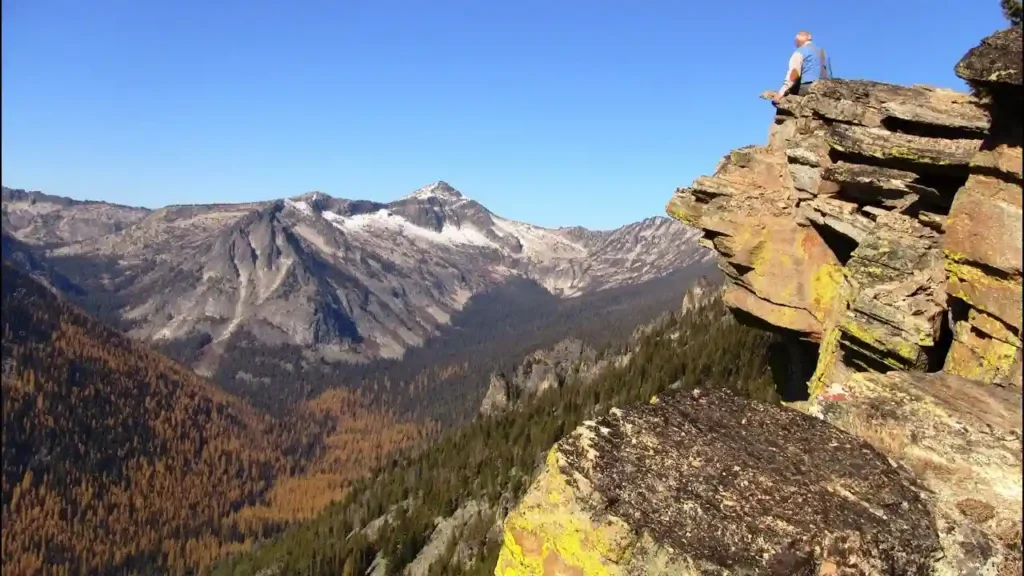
870,103
919,151
721,484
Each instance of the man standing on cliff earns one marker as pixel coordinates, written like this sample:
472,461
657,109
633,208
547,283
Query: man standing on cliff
807,64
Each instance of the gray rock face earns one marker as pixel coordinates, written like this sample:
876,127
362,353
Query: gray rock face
540,371
25,258
572,361
37,218
352,279
702,292
447,533
497,398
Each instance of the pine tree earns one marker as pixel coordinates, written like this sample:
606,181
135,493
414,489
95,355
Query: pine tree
1012,10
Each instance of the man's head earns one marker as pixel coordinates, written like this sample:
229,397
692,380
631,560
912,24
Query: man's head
802,37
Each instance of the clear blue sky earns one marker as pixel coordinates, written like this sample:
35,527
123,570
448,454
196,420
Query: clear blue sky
553,112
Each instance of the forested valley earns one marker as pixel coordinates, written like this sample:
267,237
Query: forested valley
387,521
118,460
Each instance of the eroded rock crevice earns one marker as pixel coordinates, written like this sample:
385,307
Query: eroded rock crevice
792,361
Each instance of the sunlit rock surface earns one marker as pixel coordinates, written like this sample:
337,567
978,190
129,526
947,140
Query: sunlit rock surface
709,483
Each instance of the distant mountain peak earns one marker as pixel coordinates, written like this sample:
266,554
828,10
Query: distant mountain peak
311,202
439,189
311,197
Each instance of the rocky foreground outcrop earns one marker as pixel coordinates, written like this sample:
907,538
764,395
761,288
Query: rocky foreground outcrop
878,234
709,483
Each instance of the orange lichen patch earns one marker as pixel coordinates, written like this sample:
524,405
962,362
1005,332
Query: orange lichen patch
555,565
528,542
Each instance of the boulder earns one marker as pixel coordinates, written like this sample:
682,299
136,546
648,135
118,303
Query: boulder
962,439
984,225
707,482
996,60
1001,160
978,353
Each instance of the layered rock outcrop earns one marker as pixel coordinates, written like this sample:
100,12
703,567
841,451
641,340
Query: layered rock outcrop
878,233
983,234
881,222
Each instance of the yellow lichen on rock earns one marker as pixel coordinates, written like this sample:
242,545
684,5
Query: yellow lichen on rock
683,211
992,362
828,292
881,341
828,362
1000,297
550,534
978,354
788,317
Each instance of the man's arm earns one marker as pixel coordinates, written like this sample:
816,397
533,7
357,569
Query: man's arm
796,62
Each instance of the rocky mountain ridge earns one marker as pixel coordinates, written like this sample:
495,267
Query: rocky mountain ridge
351,279
877,235
43,219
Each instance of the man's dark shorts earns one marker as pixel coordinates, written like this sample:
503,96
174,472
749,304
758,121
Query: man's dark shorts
800,88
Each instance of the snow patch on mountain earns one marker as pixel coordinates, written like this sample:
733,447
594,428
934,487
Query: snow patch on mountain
386,222
439,189
301,206
538,243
